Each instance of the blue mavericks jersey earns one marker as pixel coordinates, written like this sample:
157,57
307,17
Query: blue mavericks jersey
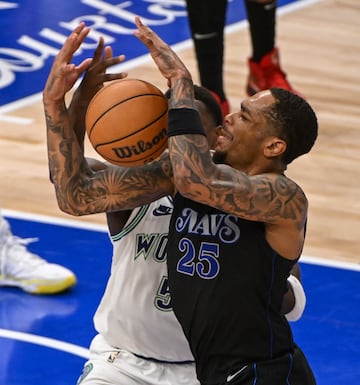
227,286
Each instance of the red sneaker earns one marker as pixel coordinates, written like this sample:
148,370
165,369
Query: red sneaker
267,74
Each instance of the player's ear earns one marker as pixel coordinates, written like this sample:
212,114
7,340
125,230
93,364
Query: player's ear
274,147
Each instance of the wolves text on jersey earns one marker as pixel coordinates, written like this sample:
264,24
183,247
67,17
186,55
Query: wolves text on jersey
152,243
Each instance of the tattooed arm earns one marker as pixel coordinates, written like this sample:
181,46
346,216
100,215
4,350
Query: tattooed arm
80,190
93,81
255,187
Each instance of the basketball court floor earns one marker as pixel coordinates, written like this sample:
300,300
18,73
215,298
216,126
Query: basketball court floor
44,339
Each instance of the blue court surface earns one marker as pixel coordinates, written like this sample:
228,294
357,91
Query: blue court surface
32,32
44,339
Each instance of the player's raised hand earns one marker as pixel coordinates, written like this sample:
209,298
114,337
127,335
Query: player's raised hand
168,62
64,74
96,74
170,65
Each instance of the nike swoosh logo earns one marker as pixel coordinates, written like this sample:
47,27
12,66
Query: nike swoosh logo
203,36
162,210
270,6
230,377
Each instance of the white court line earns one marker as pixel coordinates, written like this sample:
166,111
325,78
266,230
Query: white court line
330,263
16,120
54,220
45,341
78,350
103,228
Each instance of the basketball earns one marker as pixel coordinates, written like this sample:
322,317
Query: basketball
126,122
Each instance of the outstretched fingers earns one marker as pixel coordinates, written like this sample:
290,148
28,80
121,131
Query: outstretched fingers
151,40
168,62
73,43
103,58
97,74
64,74
99,50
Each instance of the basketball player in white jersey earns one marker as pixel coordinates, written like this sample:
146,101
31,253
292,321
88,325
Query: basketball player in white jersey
139,340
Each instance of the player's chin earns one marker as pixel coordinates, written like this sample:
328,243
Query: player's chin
222,144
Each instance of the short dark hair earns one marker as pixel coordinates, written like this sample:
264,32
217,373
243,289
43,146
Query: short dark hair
204,95
295,121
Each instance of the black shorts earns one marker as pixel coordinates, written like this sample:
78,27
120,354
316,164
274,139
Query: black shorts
291,369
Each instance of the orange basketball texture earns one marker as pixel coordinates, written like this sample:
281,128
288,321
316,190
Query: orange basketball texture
126,122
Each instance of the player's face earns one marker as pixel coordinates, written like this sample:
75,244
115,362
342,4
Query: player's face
240,141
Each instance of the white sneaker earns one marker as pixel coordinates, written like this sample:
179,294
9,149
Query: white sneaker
21,268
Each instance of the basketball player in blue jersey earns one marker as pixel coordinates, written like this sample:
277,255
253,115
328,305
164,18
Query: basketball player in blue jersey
139,340
237,228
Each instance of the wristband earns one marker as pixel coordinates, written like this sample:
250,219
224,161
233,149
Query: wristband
184,121
300,299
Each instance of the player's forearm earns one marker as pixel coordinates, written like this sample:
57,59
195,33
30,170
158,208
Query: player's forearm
189,153
63,147
77,111
65,157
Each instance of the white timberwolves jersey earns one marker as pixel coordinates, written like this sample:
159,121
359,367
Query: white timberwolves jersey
135,312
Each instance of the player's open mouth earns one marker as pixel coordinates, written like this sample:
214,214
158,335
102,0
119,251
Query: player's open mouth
223,136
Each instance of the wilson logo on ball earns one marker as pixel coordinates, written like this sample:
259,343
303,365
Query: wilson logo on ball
140,147
126,122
